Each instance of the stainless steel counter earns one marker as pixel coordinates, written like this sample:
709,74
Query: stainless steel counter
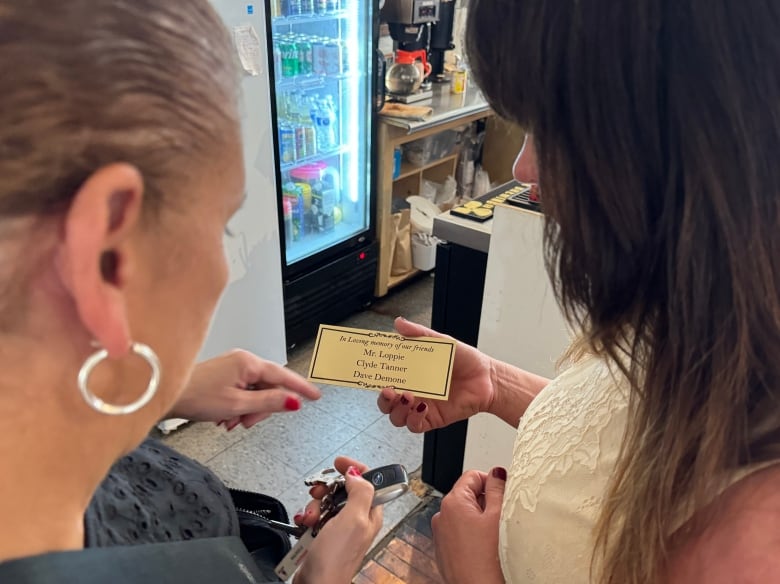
446,107
463,232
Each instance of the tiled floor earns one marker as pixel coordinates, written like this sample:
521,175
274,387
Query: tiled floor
407,556
276,455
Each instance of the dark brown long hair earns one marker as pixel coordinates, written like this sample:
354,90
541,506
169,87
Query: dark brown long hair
657,126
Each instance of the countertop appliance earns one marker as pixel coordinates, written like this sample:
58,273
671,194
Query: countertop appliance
409,22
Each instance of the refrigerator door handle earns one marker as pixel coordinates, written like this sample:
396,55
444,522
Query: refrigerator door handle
379,97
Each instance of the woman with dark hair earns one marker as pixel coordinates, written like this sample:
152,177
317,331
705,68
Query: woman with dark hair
653,458
121,163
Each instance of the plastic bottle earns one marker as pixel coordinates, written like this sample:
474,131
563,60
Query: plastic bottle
333,122
314,108
289,228
321,122
459,76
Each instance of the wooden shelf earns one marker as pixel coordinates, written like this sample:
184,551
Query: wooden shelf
409,182
408,169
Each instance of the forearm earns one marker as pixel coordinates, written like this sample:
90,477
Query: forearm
515,389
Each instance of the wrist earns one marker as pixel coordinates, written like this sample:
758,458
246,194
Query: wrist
513,391
498,380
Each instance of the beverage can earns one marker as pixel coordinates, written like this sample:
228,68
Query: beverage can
332,5
344,47
294,7
307,6
290,62
286,144
318,56
305,56
310,137
321,6
277,58
332,57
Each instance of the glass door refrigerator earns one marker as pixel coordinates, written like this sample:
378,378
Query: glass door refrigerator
325,82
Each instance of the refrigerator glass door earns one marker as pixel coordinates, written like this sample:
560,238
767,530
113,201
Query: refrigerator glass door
322,51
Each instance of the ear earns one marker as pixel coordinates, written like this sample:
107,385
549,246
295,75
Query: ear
94,259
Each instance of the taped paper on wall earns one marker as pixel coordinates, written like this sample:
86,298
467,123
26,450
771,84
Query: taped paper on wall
248,47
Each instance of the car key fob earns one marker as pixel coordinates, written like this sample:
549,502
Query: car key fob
390,482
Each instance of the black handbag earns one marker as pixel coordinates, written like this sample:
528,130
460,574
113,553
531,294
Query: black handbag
266,545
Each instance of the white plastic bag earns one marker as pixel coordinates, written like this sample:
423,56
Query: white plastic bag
447,193
481,183
429,190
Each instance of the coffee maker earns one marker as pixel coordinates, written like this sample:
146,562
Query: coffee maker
441,40
410,24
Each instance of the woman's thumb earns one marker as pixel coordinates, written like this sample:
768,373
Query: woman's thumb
360,491
494,488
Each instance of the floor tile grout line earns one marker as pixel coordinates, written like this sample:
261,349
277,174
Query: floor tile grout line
228,447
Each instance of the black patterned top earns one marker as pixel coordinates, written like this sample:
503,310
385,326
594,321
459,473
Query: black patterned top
156,495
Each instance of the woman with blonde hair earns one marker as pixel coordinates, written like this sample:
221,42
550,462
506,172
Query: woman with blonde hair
121,163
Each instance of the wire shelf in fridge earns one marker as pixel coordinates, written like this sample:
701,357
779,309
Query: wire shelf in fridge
308,18
307,82
315,158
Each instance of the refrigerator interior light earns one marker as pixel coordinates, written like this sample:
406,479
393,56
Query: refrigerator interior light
353,59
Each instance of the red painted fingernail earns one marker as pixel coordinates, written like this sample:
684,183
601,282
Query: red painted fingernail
404,401
353,470
233,425
422,407
500,473
292,405
298,518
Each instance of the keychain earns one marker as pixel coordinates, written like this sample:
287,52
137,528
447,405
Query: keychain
389,482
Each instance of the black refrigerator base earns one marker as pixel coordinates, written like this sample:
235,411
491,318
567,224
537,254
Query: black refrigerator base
330,293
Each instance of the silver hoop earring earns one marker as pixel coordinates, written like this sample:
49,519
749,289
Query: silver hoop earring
98,404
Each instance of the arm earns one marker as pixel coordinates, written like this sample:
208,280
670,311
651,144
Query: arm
513,391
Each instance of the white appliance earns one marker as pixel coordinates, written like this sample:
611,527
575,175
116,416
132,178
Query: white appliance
521,324
250,314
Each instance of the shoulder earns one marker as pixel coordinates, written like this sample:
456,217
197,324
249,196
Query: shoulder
741,543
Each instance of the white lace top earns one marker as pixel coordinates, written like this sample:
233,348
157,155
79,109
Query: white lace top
565,452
